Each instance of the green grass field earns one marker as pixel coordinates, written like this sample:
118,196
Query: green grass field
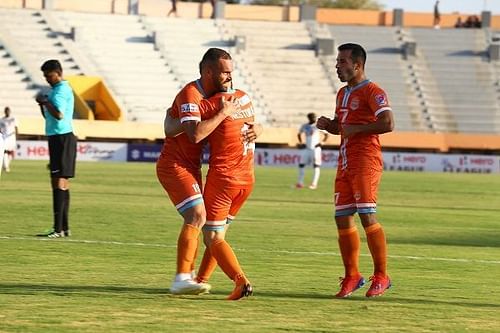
113,274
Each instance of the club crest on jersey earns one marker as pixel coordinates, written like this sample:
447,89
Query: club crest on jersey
380,99
189,107
354,103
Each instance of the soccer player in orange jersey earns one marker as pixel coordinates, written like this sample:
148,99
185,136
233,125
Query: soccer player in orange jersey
179,166
230,181
361,114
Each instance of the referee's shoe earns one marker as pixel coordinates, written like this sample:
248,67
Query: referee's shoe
54,234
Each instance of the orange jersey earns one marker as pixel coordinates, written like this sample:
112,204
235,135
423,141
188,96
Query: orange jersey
179,150
357,105
231,160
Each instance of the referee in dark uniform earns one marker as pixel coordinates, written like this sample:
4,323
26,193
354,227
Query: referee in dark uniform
57,108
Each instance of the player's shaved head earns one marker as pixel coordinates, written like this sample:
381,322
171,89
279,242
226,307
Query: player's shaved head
358,53
212,56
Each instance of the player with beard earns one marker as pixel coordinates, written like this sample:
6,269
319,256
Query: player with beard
179,165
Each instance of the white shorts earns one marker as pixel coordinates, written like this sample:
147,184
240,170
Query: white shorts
311,156
10,142
1,152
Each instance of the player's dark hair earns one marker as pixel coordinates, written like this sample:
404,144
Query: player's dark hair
52,66
358,53
212,56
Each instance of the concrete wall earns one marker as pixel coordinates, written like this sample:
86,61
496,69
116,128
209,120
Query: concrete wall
249,12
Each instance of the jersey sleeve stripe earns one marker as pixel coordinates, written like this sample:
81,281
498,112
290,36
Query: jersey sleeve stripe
385,108
184,119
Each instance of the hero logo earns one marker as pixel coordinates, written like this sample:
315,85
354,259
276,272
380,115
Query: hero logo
482,161
189,107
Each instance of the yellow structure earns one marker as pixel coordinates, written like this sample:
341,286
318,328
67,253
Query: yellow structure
93,101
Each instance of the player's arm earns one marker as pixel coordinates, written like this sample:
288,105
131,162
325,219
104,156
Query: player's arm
299,137
171,126
325,137
253,132
383,124
300,143
328,124
199,130
43,101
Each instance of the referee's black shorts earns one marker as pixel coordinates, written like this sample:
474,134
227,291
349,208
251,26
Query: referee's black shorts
62,150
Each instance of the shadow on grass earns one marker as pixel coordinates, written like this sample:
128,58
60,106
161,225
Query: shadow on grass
34,289
478,239
90,291
31,289
384,299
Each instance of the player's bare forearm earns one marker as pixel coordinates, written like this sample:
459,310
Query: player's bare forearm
197,131
171,126
41,110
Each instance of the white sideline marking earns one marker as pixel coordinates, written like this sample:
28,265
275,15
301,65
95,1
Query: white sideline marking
247,250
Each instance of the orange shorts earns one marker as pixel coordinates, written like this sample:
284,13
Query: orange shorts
182,185
222,204
356,191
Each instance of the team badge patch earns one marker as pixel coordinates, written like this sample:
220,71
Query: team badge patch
380,99
354,103
189,107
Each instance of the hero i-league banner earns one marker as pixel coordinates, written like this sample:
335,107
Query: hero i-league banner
103,151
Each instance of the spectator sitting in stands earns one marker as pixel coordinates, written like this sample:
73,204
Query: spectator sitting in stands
459,23
472,22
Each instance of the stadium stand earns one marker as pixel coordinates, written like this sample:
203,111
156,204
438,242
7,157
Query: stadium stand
463,98
182,43
279,65
27,41
124,55
144,60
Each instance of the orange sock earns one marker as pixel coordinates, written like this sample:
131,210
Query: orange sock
349,244
375,237
186,248
223,253
207,266
193,264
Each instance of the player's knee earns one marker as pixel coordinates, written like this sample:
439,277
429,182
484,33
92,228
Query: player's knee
344,221
368,219
195,216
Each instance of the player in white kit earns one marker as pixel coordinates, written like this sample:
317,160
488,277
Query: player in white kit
310,150
8,125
